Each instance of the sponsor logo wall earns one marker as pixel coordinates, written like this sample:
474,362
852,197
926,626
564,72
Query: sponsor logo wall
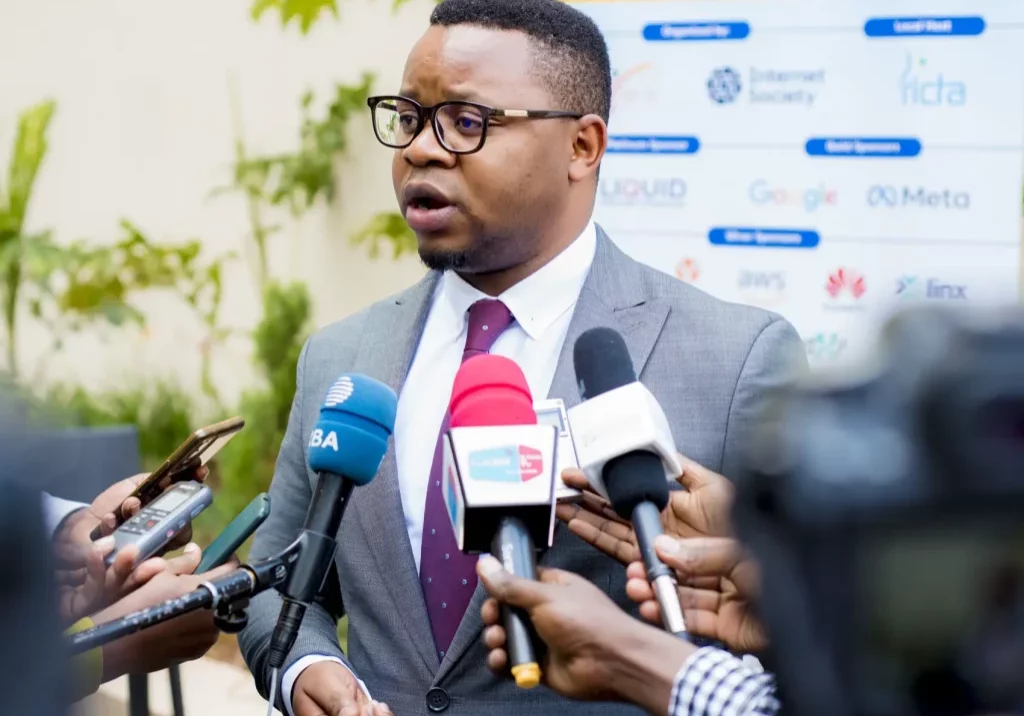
832,162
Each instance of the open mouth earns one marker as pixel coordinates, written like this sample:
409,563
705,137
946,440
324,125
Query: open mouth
428,203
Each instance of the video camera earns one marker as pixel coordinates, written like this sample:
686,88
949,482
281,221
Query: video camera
887,513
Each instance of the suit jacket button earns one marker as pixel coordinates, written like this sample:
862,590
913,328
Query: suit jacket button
438,699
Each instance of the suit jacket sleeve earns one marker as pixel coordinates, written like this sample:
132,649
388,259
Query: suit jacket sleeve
776,358
290,495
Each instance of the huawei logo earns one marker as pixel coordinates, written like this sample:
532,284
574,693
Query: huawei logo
846,281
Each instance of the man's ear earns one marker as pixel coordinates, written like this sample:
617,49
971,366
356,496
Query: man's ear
588,147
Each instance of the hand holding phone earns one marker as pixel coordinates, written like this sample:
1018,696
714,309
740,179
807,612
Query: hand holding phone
157,524
237,532
181,465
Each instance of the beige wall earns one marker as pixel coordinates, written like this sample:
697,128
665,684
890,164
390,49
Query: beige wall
143,130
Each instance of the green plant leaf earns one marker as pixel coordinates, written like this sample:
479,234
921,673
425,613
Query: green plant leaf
30,146
305,12
390,227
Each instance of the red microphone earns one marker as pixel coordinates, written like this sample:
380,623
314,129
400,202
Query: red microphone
490,390
493,452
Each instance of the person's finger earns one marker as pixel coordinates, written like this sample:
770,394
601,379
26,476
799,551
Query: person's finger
202,472
694,475
130,507
497,660
121,568
701,622
187,561
494,637
550,575
574,477
509,589
144,573
381,709
490,612
700,556
636,570
613,538
180,539
639,590
650,612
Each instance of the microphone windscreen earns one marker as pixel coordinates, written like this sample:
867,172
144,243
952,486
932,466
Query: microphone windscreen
351,436
602,362
490,390
633,478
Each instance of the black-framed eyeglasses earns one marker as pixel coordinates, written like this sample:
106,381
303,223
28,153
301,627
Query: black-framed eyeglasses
460,127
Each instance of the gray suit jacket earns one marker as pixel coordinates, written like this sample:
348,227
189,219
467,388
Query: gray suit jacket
709,363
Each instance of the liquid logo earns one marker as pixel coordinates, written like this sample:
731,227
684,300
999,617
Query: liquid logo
644,192
825,346
889,196
765,86
625,89
688,270
921,87
811,198
846,282
913,288
513,463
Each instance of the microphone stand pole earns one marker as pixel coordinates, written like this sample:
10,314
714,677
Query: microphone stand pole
227,596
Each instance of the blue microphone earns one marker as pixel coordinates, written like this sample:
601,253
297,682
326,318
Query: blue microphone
345,449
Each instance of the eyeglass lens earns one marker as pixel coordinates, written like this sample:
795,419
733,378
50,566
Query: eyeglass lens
459,126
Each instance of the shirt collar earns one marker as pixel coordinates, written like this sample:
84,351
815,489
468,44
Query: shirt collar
538,300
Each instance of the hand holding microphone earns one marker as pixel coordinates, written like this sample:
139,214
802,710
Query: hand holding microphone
499,483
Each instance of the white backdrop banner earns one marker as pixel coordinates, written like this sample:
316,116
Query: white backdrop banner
826,160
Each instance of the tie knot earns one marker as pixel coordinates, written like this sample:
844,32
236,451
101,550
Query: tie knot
488,319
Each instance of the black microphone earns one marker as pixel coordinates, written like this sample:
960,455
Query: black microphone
634,481
346,448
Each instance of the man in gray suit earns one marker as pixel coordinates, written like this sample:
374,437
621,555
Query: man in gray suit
498,131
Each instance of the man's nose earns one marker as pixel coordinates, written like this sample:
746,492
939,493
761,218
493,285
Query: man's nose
425,149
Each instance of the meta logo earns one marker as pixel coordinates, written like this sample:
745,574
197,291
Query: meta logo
644,192
810,198
319,440
920,86
845,286
514,463
915,288
688,270
629,86
889,196
765,86
825,347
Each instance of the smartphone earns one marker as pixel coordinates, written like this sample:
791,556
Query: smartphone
156,524
192,454
240,529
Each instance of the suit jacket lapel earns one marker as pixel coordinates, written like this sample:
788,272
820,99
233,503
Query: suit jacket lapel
392,335
613,296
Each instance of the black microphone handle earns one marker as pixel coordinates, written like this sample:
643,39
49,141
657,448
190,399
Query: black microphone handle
647,526
514,549
316,546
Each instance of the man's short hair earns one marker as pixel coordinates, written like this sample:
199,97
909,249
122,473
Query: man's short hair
572,57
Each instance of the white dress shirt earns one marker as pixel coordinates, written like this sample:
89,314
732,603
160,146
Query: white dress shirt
56,510
542,305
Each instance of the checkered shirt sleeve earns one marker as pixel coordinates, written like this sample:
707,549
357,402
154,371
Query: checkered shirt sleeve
713,682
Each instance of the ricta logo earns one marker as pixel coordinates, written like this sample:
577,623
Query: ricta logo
921,86
513,463
339,392
319,440
809,198
846,282
688,270
914,288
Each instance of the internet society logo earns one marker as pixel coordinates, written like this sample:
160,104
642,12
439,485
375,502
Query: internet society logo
513,463
724,85
766,85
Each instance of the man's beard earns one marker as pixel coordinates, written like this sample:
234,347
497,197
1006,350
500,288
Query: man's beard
445,260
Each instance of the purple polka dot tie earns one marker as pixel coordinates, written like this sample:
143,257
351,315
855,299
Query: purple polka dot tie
448,576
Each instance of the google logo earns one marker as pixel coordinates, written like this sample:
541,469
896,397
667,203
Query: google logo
811,198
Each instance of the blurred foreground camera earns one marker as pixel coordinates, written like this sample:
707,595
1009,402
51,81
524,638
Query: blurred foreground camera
887,512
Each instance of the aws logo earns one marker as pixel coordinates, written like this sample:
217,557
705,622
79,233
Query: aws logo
632,85
512,463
